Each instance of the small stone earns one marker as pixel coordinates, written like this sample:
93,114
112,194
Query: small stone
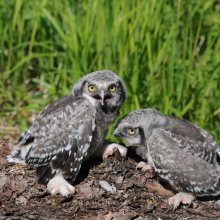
107,186
21,200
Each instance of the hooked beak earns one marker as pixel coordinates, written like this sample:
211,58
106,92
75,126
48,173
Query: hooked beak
117,133
102,95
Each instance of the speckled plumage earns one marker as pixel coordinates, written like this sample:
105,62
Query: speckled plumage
69,130
180,152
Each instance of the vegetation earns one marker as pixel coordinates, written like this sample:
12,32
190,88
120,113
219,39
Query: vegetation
167,52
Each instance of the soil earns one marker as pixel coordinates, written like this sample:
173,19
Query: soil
111,189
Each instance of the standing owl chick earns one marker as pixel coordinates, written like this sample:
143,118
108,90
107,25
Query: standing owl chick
70,130
180,152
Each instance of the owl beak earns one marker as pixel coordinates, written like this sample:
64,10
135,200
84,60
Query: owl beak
117,133
102,95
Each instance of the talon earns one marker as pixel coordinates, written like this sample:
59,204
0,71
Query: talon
109,150
59,185
185,198
145,167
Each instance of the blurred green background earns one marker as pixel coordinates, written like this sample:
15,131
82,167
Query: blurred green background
166,51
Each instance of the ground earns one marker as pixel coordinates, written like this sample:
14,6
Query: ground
110,190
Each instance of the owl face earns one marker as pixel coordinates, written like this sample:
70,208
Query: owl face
103,88
128,132
136,127
101,93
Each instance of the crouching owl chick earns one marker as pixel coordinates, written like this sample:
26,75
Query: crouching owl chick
70,130
180,152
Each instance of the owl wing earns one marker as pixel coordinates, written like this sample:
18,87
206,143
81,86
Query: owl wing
183,168
61,136
191,138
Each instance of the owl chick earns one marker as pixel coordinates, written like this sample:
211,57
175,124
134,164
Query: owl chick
178,151
70,130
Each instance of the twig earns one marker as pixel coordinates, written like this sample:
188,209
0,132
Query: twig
167,211
199,212
9,128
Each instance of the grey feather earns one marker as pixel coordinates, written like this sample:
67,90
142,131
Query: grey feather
69,130
180,152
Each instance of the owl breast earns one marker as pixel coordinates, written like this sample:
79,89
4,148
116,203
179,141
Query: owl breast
103,122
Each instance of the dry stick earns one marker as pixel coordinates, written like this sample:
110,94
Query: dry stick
9,128
199,212
167,211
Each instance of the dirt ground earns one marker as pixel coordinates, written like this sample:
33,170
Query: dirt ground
105,190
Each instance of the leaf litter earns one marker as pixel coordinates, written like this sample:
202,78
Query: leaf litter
110,189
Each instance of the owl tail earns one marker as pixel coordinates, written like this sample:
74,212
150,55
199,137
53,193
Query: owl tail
18,154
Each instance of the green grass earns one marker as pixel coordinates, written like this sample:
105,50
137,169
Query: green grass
167,52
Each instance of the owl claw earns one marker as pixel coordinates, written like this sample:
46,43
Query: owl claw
185,198
145,167
64,190
109,150
59,185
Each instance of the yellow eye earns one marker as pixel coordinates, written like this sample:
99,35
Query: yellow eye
112,88
91,88
131,131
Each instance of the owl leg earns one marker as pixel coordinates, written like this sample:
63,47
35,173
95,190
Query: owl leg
59,185
185,198
107,149
145,167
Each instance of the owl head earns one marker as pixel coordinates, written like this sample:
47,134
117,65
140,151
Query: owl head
103,88
136,127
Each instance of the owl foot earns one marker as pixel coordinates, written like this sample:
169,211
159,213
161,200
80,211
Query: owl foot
185,198
59,185
145,167
109,150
